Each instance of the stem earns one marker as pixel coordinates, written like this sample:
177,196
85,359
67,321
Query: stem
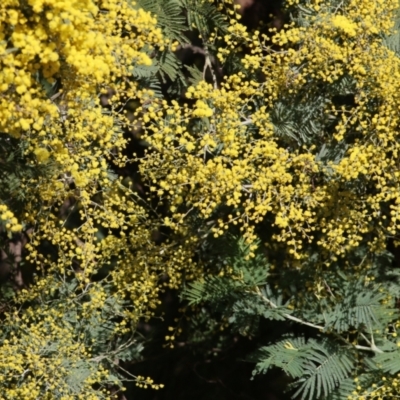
372,347
288,316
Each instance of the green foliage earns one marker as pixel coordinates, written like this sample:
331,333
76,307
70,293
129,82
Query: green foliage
195,75
393,41
170,17
177,19
359,308
318,366
322,366
166,67
205,17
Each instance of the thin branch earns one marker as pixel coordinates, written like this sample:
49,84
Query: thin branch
209,64
246,122
288,316
193,48
372,347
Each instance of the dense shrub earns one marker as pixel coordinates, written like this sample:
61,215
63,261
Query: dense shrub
165,148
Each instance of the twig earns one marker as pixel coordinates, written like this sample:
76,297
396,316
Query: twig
208,64
195,49
288,316
372,347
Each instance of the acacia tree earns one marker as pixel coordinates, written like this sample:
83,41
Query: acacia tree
69,317
263,186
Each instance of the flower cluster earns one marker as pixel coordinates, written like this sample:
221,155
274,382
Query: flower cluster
221,158
232,156
8,219
58,59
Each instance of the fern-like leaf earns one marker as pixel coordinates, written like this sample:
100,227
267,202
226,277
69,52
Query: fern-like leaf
319,367
327,367
387,362
359,308
205,17
170,17
392,41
